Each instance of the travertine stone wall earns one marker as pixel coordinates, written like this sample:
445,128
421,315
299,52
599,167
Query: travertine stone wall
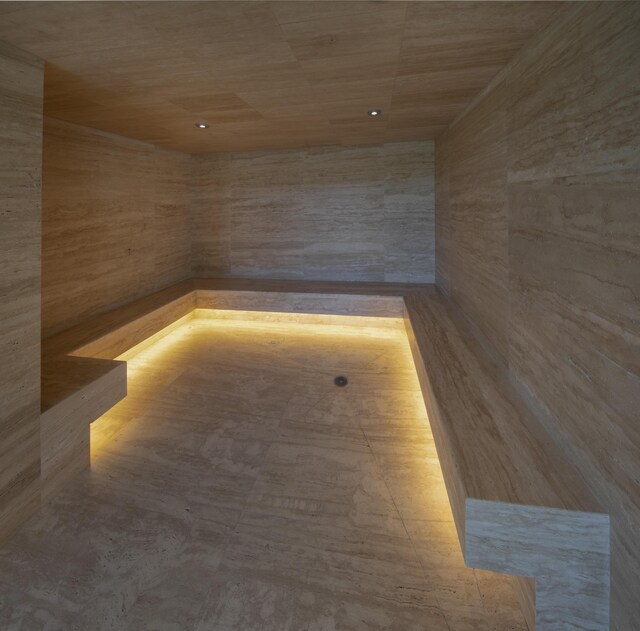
337,213
538,235
115,222
121,218
21,84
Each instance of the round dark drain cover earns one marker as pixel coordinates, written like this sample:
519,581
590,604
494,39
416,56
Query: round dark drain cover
341,381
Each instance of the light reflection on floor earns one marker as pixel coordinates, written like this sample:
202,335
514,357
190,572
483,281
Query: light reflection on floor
236,487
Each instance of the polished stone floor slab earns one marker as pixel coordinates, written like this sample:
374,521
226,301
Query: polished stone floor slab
237,488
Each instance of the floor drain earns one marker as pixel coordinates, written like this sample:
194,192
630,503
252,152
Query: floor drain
340,381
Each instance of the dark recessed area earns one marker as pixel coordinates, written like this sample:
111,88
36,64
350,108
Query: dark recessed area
341,381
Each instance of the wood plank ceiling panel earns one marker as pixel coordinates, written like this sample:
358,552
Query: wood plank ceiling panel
268,75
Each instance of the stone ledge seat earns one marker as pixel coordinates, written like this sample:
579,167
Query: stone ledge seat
519,507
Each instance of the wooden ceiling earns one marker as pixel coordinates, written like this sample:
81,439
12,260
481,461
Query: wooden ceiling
268,75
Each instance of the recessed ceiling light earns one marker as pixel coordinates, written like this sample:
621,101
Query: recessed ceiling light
374,112
202,125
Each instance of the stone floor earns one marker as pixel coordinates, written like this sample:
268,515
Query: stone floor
236,487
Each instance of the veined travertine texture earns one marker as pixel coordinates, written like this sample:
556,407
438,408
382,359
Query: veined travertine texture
518,507
336,213
122,218
115,224
236,488
538,234
21,81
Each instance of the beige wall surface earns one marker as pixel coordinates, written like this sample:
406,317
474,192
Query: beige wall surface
114,222
355,213
538,233
21,84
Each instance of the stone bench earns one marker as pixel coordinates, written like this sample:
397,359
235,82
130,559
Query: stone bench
518,506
